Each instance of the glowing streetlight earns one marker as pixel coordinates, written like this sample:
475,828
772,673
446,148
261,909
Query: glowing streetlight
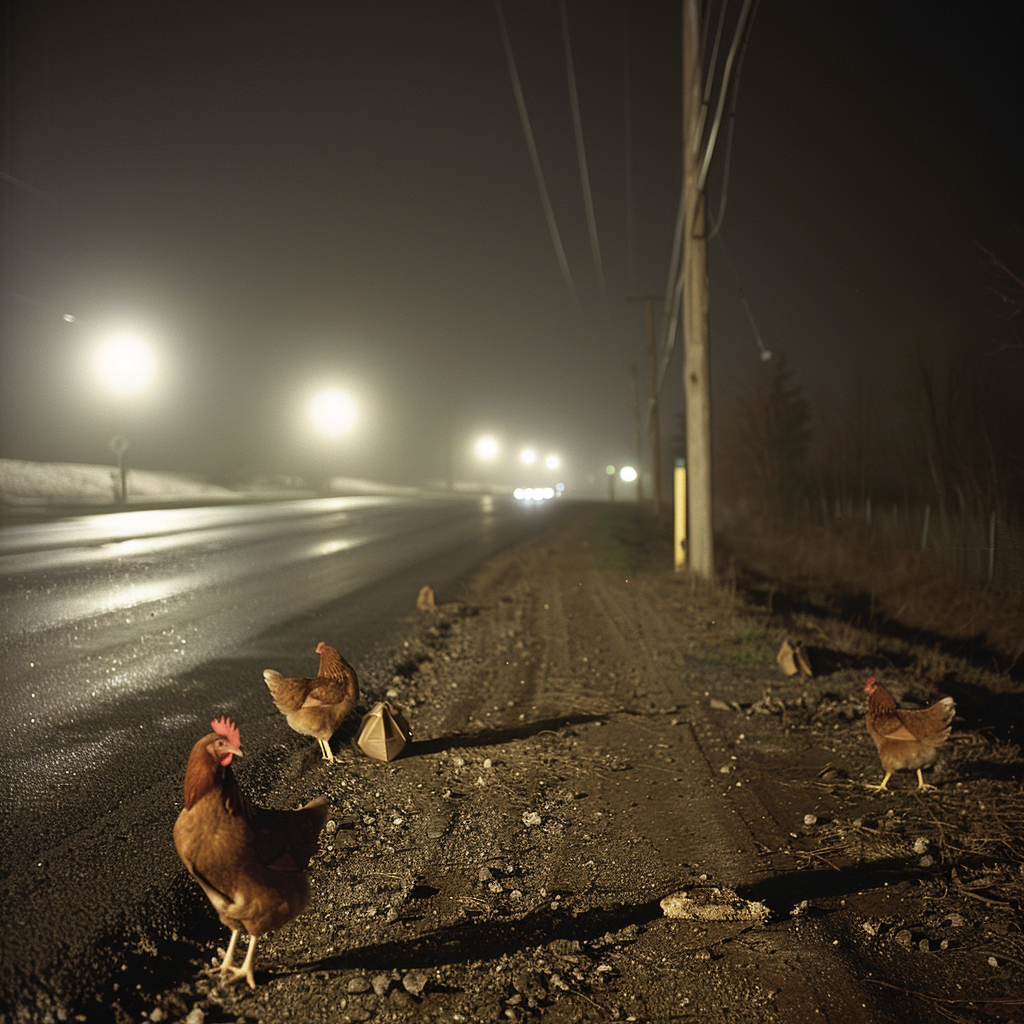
125,364
552,462
627,474
333,412
487,447
528,455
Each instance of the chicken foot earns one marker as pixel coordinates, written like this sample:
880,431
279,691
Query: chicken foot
325,750
881,785
230,974
921,784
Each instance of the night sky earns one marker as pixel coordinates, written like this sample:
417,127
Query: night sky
282,197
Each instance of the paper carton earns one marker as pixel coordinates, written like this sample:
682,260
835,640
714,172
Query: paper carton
383,732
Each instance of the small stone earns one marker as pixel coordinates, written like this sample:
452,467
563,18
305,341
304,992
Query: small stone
487,762
531,818
924,946
993,962
926,861
870,927
331,826
810,819
920,846
357,985
458,762
415,982
557,981
392,692
485,874
157,1016
719,705
955,921
904,938
195,1016
944,944
381,983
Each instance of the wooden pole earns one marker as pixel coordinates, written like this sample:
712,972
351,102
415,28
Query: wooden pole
696,369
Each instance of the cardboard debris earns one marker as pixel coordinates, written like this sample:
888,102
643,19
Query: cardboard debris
425,600
712,904
383,732
792,658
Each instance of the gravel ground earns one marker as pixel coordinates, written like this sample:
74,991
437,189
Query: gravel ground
593,733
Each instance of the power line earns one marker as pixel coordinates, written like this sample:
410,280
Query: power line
538,174
581,155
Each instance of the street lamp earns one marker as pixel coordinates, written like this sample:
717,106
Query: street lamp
552,462
125,364
528,455
487,447
333,412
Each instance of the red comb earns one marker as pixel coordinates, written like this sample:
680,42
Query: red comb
228,730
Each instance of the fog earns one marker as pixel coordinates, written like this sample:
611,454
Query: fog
284,199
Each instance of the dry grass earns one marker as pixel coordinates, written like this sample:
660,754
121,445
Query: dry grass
867,579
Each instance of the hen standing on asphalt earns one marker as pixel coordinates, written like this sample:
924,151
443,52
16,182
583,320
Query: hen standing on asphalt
250,862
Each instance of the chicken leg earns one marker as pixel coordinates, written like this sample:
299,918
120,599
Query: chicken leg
230,974
325,750
921,784
882,785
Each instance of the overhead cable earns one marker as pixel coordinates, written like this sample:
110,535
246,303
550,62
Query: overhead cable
538,174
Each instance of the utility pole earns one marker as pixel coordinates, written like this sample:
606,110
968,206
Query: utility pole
696,377
653,421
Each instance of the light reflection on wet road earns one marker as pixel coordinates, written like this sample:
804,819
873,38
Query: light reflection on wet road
113,626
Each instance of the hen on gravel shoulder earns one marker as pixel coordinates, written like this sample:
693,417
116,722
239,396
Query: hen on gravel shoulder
316,707
250,862
906,738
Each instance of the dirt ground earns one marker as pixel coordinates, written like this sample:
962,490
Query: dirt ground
591,734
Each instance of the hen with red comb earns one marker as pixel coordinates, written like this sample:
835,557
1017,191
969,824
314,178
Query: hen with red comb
250,862
316,707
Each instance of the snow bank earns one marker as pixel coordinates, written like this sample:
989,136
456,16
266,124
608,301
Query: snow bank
33,482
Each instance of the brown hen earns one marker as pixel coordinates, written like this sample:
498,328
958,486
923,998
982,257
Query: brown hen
906,738
316,707
250,862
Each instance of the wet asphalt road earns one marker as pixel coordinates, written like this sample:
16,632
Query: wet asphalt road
124,633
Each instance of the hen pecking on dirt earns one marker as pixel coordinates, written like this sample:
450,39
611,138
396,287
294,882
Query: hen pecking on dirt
250,862
316,707
906,738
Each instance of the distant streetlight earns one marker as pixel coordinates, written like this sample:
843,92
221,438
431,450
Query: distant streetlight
528,455
552,462
333,412
487,447
628,474
125,364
